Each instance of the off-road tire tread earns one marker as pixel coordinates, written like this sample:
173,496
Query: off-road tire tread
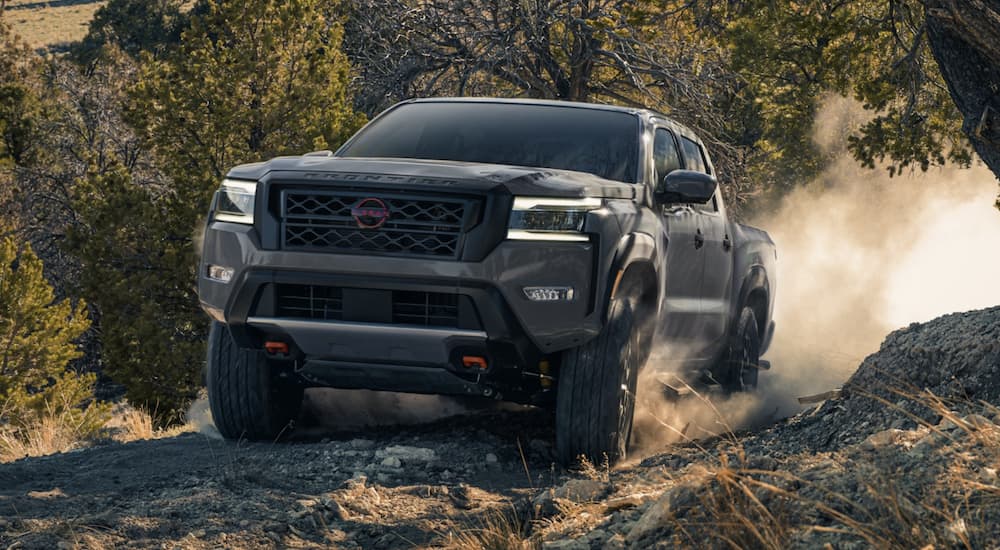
585,414
730,380
242,400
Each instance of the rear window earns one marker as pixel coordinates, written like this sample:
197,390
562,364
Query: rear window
603,143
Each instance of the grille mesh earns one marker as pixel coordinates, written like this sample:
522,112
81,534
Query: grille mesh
322,220
311,302
430,309
326,303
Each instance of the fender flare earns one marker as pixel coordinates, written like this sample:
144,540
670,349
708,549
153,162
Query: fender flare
755,279
634,249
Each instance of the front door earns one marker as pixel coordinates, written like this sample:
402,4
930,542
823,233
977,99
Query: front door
685,261
717,276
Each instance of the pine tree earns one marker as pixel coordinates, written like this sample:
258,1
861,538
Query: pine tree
134,26
248,81
37,335
139,272
20,107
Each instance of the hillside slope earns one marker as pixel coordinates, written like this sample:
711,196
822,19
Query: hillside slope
51,25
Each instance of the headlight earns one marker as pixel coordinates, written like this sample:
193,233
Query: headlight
235,202
547,219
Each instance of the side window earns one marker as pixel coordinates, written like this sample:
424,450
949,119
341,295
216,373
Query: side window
694,159
665,156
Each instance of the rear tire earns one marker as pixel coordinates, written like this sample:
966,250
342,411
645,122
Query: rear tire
247,399
595,399
739,369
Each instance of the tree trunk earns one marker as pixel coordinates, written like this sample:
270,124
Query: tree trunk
965,39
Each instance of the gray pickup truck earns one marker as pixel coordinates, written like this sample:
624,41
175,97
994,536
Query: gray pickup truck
520,250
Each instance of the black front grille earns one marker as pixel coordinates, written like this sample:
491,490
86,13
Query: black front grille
431,309
416,225
310,302
403,307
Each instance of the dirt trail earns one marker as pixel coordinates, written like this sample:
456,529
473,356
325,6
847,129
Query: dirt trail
398,487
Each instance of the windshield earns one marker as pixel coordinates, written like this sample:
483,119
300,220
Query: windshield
599,142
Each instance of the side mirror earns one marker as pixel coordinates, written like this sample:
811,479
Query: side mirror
686,186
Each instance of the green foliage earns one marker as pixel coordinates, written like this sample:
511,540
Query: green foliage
134,26
139,272
915,122
82,130
792,53
20,108
248,81
37,337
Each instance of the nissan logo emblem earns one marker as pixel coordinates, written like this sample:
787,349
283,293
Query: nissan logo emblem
370,213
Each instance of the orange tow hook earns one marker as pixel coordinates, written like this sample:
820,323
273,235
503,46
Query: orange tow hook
275,348
470,361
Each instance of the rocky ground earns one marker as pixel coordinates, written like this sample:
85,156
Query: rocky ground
906,456
388,488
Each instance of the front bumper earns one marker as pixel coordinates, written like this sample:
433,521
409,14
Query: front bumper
389,357
362,342
510,325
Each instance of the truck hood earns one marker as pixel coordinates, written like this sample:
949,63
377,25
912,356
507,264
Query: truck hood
458,176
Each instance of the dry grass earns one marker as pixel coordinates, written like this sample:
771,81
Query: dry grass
51,24
62,531
498,531
130,423
52,434
61,426
59,433
593,472
740,507
573,519
135,425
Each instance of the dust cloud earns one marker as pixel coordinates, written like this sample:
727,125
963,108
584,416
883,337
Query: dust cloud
859,254
199,417
327,409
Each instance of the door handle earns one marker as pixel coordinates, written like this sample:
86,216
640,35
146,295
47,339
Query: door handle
699,239
727,243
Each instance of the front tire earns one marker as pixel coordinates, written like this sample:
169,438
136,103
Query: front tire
247,398
595,399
